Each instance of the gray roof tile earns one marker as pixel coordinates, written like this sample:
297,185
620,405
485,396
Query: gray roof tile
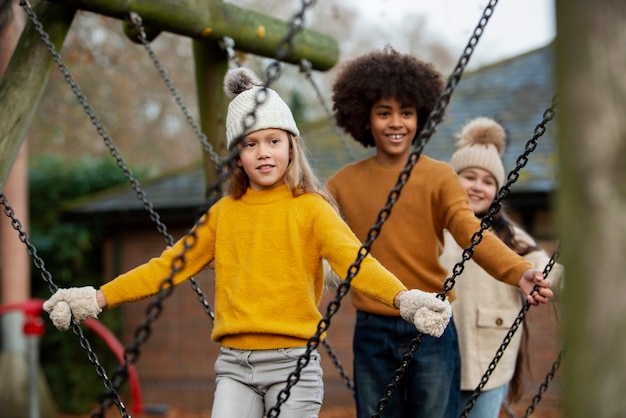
516,93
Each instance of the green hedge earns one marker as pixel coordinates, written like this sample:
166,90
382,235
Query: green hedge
72,253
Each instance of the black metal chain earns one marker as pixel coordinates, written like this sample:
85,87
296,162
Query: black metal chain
544,386
143,331
342,371
135,21
76,329
228,44
136,26
306,68
506,341
486,222
273,72
432,121
93,117
504,191
285,46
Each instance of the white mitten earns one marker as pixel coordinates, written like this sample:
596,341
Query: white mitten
79,302
426,311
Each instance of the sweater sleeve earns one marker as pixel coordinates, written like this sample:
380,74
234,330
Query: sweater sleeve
340,247
146,280
491,253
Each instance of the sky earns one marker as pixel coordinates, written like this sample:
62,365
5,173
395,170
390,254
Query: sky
515,27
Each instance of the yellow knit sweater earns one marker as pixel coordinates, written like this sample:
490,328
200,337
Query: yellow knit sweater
268,248
411,239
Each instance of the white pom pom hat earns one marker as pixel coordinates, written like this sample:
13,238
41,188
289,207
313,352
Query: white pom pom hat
242,85
482,142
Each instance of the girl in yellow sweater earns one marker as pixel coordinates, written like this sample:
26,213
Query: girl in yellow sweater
267,237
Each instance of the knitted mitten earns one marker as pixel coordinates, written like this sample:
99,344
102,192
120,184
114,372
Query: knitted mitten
79,302
426,311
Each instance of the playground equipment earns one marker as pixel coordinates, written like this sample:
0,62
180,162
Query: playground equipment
31,398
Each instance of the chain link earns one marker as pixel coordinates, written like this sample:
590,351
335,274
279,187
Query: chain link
135,21
432,121
228,44
76,329
507,340
285,47
504,191
143,331
342,372
305,68
544,386
273,72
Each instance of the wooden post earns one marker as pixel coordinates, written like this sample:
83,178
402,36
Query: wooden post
25,80
592,203
211,65
23,388
205,21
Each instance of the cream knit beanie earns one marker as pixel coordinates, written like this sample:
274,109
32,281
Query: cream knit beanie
482,142
241,85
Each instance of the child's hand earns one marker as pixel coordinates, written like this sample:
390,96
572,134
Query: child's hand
79,302
426,311
527,283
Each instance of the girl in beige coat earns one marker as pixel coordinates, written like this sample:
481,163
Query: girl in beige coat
485,308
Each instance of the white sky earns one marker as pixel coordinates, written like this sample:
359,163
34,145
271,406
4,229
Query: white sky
516,26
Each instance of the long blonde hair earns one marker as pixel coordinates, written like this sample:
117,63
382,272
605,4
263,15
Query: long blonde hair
299,176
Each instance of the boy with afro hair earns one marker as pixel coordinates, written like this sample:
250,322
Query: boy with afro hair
382,99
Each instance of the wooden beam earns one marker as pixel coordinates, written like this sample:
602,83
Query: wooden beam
25,80
252,32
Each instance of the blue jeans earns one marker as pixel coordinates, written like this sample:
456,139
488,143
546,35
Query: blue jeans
248,383
488,402
430,386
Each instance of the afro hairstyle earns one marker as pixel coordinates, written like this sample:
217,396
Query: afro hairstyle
380,75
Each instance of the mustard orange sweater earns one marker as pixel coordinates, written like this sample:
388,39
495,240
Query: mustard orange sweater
411,240
268,248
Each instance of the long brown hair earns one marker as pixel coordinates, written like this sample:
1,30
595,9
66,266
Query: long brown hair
504,228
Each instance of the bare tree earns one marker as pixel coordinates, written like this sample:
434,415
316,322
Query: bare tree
592,92
136,108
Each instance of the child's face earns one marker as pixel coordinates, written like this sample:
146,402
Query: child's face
264,156
481,188
393,127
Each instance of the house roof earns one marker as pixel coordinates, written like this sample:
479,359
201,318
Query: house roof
515,92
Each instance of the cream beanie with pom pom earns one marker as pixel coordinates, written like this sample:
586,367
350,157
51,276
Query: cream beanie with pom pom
242,85
482,142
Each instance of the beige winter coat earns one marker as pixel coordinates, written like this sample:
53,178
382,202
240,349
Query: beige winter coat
484,311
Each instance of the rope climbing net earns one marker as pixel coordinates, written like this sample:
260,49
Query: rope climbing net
273,72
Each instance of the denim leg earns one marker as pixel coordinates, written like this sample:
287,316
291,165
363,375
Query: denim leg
430,386
488,402
434,377
375,361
